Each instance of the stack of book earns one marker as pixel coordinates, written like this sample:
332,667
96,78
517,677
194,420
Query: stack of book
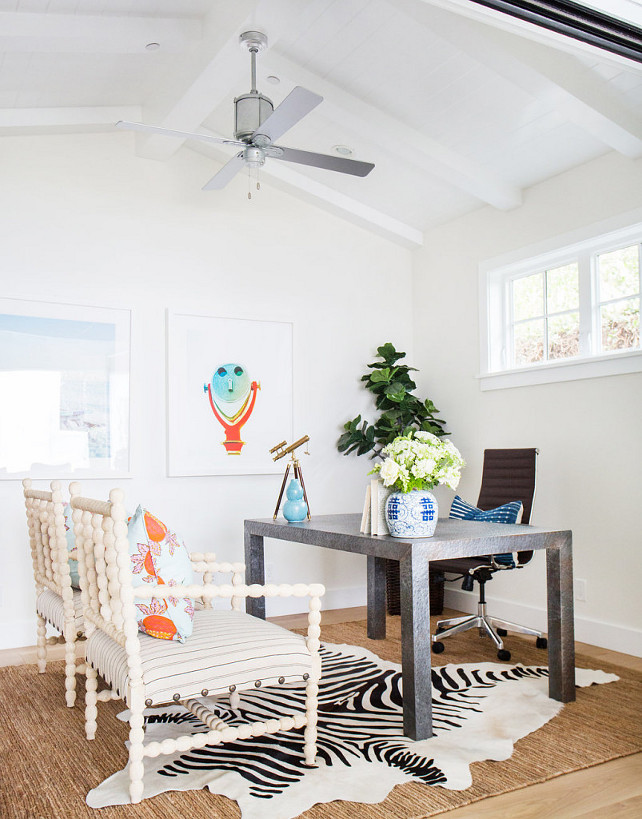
373,520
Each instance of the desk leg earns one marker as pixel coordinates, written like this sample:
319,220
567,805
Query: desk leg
376,598
254,573
415,646
561,645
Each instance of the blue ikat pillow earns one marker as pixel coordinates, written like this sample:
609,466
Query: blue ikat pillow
508,513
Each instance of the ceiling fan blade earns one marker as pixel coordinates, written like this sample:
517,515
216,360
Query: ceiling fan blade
326,161
294,107
227,173
154,129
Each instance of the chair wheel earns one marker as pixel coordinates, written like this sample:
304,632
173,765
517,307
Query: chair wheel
503,654
437,647
502,632
541,642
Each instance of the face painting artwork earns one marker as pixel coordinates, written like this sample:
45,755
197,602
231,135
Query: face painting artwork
232,398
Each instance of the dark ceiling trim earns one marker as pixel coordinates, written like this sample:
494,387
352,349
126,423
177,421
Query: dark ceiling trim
577,21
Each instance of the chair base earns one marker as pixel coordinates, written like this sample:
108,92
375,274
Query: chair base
488,626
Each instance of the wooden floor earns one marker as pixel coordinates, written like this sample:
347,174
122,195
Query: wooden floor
613,789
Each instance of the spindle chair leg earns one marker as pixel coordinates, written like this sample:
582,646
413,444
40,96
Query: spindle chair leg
70,671
91,698
310,732
41,643
136,750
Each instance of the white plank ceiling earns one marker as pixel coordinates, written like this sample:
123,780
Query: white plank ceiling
456,106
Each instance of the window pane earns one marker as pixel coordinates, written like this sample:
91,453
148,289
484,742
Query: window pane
529,342
619,273
563,288
528,297
621,325
564,336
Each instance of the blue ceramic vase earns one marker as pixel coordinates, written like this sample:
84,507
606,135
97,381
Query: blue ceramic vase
295,509
412,514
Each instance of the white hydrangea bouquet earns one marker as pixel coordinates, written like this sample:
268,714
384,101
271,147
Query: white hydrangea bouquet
419,460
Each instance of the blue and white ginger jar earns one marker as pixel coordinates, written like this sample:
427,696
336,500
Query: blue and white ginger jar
412,514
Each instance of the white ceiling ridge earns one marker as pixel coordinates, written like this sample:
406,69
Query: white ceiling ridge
532,31
220,63
84,34
411,145
328,198
582,96
15,121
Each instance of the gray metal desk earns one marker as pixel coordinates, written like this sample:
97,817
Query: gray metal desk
453,538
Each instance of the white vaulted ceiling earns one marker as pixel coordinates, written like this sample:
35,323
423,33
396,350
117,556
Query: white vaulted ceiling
457,106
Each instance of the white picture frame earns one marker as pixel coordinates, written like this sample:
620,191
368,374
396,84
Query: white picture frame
225,421
64,378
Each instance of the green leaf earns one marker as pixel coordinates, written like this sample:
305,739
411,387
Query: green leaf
388,353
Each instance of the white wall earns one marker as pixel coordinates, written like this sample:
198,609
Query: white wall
86,221
589,432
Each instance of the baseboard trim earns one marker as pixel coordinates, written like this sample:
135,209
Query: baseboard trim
23,632
332,599
595,632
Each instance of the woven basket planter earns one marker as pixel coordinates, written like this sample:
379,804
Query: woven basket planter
393,592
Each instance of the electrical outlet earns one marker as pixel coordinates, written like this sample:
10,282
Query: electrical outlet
580,590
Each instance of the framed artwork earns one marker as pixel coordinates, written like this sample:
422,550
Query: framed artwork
229,394
64,381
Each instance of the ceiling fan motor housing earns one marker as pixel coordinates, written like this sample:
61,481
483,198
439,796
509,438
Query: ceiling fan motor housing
250,110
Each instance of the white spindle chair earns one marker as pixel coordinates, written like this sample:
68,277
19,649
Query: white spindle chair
57,602
123,656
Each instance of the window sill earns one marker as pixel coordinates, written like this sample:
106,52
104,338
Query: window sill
571,370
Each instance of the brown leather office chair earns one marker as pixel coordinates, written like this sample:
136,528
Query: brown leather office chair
508,475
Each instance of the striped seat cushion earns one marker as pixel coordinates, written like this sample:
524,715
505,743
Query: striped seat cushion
226,648
49,606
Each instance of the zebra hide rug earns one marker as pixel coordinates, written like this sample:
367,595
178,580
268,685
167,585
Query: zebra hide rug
479,711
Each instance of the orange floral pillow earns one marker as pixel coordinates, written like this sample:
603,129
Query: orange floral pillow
159,557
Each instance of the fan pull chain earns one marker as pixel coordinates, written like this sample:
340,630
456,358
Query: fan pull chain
257,172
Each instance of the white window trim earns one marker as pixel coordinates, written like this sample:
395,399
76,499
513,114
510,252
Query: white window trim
580,244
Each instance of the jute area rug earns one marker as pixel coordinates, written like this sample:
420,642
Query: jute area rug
47,767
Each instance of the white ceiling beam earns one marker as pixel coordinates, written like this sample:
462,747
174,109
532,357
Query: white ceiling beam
87,34
282,176
589,101
19,121
215,69
414,146
581,95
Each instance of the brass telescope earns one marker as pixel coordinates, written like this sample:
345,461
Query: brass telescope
280,451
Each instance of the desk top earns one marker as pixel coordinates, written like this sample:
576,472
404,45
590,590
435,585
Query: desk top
452,538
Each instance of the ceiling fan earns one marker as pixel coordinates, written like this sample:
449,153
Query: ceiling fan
257,123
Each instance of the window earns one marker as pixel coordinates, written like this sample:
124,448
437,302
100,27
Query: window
545,315
556,312
618,282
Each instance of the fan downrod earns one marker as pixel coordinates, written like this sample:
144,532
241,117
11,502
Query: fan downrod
251,109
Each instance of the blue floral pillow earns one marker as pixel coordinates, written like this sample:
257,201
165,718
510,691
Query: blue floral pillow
158,556
508,513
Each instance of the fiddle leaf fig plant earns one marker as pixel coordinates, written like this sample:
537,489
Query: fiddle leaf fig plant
401,411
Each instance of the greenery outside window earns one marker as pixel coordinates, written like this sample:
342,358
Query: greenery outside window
553,313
